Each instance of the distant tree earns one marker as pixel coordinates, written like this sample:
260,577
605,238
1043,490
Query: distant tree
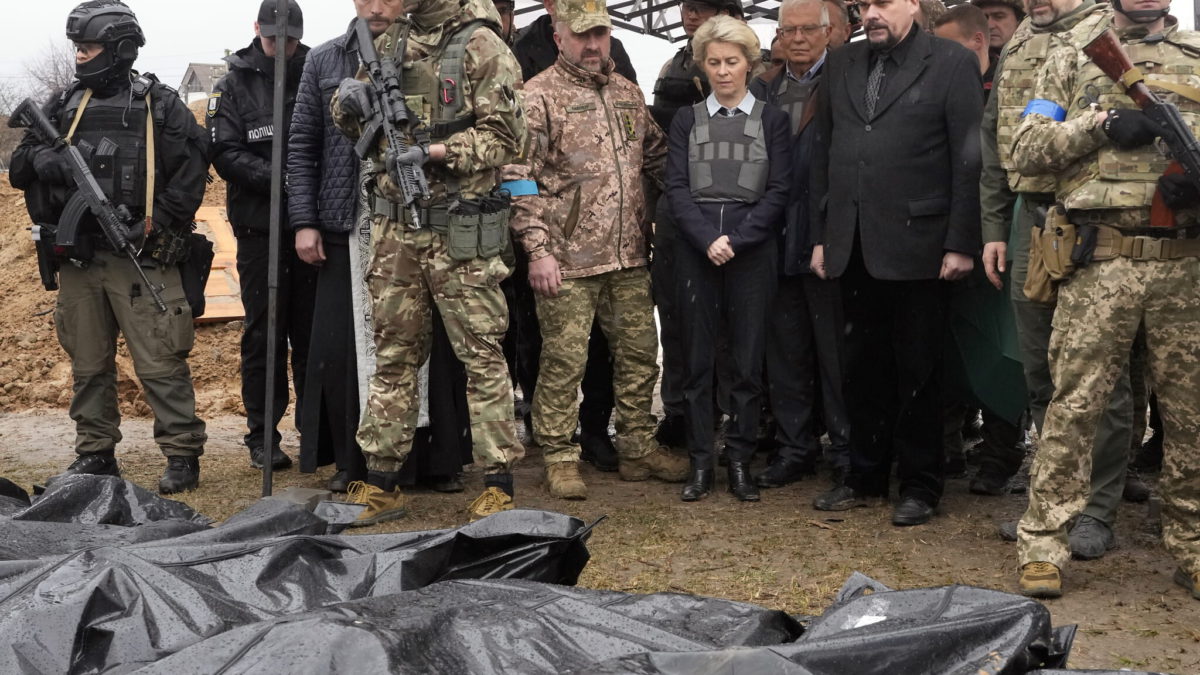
52,70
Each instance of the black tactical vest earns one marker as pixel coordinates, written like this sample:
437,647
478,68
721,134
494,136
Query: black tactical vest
111,136
727,156
677,88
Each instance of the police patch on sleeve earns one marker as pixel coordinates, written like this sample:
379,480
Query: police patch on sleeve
214,104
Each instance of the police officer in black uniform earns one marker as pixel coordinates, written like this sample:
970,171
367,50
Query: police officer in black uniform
148,155
240,120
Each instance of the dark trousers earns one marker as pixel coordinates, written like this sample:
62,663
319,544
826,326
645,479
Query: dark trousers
331,406
663,275
293,320
440,450
894,341
805,371
523,348
733,299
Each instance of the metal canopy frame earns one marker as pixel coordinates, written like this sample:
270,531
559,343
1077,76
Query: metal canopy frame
660,18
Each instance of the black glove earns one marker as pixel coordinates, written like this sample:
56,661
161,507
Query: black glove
1130,128
1178,191
52,167
357,98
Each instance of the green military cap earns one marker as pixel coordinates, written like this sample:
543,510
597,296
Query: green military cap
583,15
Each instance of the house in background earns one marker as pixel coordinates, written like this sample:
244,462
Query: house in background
199,80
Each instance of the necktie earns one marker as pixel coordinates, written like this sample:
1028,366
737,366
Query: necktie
874,82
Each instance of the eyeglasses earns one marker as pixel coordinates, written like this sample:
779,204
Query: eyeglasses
808,31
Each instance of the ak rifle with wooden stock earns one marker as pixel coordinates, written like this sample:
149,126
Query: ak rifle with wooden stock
1106,52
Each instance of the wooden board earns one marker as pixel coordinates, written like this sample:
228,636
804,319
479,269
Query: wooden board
223,295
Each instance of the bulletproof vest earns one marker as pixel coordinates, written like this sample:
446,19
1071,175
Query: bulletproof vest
1027,51
677,85
433,85
727,156
793,97
111,136
1115,178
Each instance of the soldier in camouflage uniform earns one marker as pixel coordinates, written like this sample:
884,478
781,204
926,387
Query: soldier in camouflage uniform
581,215
452,257
1081,127
1091,535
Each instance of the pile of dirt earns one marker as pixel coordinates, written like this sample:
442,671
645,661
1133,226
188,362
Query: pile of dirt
35,372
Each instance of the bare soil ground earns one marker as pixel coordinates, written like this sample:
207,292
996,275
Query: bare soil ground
777,553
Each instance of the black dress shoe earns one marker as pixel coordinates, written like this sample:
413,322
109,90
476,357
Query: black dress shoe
598,450
96,464
672,431
339,482
183,473
783,472
912,511
840,498
698,485
447,484
279,460
740,483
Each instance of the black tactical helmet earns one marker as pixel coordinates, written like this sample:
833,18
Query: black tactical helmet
733,7
112,24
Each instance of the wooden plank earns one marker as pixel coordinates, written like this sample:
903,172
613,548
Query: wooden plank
223,301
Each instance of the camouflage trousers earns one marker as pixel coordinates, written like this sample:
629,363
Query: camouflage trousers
621,301
1099,311
411,272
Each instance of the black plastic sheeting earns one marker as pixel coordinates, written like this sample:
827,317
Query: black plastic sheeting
99,576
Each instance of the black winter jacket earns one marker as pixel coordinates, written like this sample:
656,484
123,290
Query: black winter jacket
535,51
322,168
240,121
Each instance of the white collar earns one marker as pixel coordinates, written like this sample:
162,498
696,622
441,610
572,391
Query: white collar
746,106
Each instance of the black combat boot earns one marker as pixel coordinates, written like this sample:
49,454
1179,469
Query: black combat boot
741,484
598,450
279,459
183,473
699,484
95,463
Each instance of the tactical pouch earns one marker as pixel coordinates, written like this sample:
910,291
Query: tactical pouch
1056,241
478,228
168,246
1039,287
194,271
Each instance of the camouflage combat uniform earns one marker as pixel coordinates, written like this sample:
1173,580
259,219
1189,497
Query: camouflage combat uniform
411,269
593,145
1101,306
1016,76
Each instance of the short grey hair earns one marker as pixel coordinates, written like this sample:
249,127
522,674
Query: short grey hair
788,5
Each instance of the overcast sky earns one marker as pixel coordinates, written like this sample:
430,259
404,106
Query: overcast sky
180,33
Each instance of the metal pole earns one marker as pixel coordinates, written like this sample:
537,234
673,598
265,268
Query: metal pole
278,131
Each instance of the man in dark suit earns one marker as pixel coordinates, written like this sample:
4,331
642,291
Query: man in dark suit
895,205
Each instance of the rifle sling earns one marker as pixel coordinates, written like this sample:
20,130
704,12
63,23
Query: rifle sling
1135,75
150,172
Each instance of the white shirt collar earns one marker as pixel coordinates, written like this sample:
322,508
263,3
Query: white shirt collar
746,106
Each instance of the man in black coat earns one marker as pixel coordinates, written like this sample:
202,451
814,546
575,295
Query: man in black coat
895,203
240,120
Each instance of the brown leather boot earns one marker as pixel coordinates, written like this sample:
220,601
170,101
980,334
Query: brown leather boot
661,464
563,481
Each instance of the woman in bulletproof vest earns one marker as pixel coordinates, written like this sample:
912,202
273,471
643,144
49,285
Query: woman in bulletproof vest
727,187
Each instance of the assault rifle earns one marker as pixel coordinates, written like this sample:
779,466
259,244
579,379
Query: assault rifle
116,222
1105,51
393,119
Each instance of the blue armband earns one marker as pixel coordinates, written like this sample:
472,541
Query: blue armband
1041,106
520,188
